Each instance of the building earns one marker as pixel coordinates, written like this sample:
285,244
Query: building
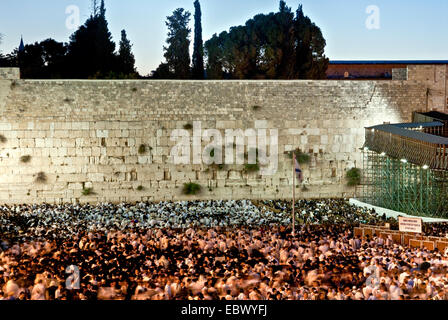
374,70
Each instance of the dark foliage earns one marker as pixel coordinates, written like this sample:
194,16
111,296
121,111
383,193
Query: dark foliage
198,52
273,46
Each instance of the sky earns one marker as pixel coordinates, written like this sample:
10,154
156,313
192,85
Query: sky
394,30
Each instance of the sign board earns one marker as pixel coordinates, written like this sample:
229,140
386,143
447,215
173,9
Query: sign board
413,225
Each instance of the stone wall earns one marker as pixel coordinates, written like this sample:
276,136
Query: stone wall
86,134
435,79
9,73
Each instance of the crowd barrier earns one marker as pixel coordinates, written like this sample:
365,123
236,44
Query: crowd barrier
403,238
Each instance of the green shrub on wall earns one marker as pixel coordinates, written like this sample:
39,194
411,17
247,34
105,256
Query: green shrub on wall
87,191
191,189
142,149
353,177
25,159
302,158
248,167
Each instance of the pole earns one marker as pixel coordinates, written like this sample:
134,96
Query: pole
293,193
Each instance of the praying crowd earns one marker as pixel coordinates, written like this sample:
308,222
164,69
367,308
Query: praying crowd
210,250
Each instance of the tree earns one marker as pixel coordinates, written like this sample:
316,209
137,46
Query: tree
102,10
125,55
286,40
41,60
95,8
177,53
213,50
198,52
311,62
269,46
90,53
91,50
54,56
162,72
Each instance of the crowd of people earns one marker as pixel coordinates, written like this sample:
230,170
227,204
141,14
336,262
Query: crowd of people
211,250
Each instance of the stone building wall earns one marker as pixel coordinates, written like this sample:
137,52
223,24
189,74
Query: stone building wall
86,134
9,74
435,79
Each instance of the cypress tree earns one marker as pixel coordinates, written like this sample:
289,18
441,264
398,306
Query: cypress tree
125,55
198,53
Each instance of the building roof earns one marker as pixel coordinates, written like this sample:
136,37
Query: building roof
400,130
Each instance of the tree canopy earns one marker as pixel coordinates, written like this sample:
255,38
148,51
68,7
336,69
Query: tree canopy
89,54
278,45
91,51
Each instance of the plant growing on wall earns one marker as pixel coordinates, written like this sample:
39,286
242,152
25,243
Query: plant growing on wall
302,158
2,138
25,159
251,167
353,177
87,191
142,149
41,177
191,189
188,126
140,188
